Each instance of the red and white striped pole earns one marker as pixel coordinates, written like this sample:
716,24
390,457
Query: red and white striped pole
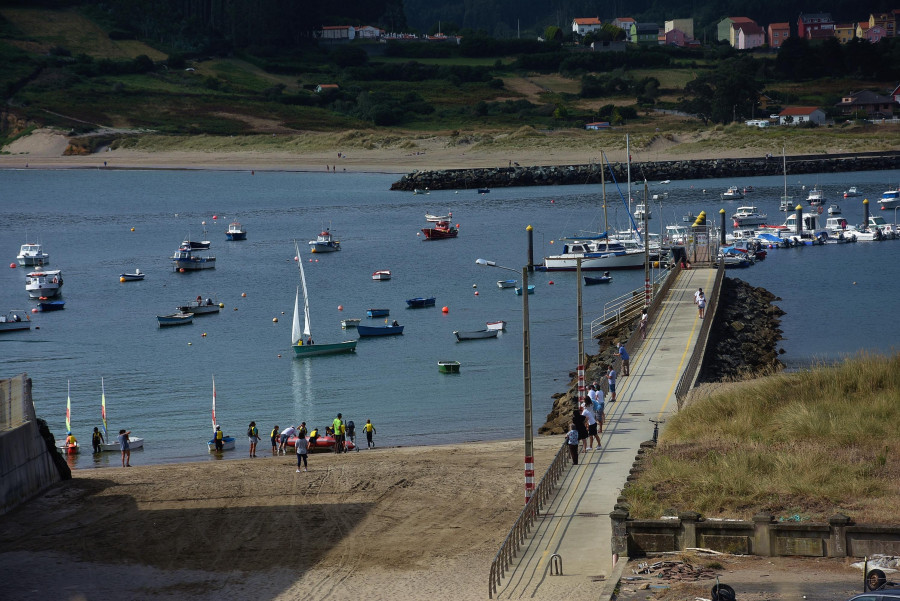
529,478
581,386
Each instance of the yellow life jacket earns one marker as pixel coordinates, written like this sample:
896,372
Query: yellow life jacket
219,435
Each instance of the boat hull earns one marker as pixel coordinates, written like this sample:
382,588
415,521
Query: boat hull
476,335
312,350
44,284
323,444
369,331
595,262
448,367
507,283
350,323
439,234
174,320
418,303
10,323
378,312
235,236
496,325
131,277
133,443
589,281
381,275
199,309
194,263
323,248
53,306
227,444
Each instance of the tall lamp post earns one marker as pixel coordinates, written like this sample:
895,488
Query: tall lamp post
526,376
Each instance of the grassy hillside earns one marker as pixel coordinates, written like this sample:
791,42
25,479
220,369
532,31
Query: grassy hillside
812,443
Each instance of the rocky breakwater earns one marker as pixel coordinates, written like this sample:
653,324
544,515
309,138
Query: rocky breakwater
563,175
743,343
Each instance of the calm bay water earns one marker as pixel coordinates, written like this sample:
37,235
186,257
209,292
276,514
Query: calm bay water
839,299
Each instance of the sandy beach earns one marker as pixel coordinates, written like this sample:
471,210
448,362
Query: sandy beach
370,152
389,523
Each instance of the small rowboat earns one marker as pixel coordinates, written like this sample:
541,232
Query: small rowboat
507,283
175,319
530,290
137,276
350,323
368,331
382,275
476,335
436,218
418,303
378,312
52,305
496,325
603,279
484,190
448,367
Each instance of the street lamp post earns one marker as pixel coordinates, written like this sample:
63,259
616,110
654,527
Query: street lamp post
526,376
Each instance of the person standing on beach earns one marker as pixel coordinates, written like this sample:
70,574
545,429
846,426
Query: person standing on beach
302,451
370,430
572,441
301,431
125,445
351,432
97,440
274,437
611,382
253,435
622,353
336,429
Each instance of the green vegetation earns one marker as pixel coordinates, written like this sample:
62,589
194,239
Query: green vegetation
812,443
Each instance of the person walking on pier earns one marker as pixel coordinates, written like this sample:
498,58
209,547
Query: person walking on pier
701,305
622,353
611,382
643,325
572,441
591,417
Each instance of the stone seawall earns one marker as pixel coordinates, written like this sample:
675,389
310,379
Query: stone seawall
564,175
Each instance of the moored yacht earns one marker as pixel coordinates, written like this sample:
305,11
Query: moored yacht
889,199
32,254
816,197
747,216
43,284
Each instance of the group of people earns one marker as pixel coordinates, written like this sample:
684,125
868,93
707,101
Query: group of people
341,437
700,301
587,421
97,442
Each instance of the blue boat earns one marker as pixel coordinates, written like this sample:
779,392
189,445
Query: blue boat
530,290
378,312
392,330
175,319
53,305
418,303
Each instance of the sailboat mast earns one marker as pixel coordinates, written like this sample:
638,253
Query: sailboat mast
628,161
103,409
214,406
68,408
603,184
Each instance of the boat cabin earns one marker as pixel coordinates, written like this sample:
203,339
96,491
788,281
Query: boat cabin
810,223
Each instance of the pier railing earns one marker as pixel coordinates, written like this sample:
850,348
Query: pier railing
692,369
628,306
526,519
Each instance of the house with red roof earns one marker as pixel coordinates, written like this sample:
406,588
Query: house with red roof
796,115
337,32
584,25
748,35
778,33
623,23
896,94
726,31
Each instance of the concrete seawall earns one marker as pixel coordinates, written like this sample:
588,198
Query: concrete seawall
27,465
564,175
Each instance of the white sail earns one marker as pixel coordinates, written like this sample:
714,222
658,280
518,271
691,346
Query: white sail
306,330
296,333
214,405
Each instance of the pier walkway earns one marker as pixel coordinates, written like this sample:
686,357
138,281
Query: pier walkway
575,523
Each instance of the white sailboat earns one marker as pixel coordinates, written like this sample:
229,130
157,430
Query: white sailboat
301,339
64,446
112,444
228,441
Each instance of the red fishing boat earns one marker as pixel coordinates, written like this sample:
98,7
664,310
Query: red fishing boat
440,231
323,443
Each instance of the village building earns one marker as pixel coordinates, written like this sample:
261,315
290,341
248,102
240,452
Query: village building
684,25
845,32
584,25
867,102
815,26
777,34
797,115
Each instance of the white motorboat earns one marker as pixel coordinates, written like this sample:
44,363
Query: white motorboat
435,218
382,275
834,209
889,199
640,209
732,193
595,256
851,192
43,284
496,325
747,216
350,322
325,243
507,283
32,254
184,259
816,197
17,319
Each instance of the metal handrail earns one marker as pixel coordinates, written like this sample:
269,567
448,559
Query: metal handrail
692,369
522,526
627,306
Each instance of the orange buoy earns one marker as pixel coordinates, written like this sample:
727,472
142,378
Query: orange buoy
274,320
340,307
457,226
181,270
445,310
121,279
550,282
243,295
132,229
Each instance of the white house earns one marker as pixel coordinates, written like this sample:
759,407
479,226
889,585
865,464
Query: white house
795,115
583,26
368,32
338,32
